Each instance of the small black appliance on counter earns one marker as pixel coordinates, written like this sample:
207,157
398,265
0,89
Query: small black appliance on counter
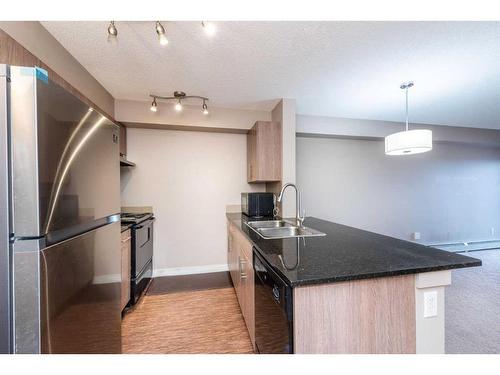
258,204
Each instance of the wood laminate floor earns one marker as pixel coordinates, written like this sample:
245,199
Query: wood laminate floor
183,283
191,322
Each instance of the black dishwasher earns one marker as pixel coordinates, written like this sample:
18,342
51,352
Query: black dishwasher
273,310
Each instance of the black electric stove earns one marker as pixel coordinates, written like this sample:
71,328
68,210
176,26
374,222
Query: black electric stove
141,264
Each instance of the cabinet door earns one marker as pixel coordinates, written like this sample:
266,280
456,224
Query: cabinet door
240,262
232,256
242,287
252,168
264,152
125,284
249,300
269,153
123,140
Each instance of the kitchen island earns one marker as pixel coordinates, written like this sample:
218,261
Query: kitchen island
352,291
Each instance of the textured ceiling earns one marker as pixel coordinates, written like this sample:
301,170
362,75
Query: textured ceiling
341,69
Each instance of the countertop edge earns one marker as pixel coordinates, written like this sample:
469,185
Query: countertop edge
338,279
125,227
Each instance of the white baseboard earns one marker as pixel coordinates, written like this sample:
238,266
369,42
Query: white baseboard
175,271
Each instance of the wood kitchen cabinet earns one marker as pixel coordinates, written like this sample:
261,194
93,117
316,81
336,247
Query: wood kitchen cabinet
264,149
240,262
123,141
126,259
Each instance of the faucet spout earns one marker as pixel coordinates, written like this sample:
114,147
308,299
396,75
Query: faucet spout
298,202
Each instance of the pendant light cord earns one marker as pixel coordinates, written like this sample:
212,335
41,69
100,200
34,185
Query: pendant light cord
406,91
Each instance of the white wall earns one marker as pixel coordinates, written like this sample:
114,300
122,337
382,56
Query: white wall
449,194
138,112
188,178
375,129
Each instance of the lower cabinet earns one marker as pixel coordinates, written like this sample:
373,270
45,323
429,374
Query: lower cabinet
240,262
126,259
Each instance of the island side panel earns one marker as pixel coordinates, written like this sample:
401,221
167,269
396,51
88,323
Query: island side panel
361,316
430,329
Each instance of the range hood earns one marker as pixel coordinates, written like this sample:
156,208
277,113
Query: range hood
125,163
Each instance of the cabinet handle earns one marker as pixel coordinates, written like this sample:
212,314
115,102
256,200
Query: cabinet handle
243,275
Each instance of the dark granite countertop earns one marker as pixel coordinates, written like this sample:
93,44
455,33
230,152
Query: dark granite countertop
347,253
126,226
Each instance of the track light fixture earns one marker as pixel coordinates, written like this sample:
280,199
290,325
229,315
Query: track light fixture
154,105
209,28
179,96
160,30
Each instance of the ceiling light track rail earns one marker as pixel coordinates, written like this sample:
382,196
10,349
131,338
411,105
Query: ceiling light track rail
177,97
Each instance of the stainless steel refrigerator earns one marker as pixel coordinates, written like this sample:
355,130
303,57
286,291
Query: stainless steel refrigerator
60,262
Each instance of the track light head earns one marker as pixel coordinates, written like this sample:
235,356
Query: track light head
112,33
205,108
209,28
160,30
112,30
154,105
178,106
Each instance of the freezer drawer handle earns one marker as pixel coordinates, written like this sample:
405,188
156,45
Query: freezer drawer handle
276,294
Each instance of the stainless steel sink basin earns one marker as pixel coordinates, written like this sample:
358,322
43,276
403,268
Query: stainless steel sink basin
274,229
268,224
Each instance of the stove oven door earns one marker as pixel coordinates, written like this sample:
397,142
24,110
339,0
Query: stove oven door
143,246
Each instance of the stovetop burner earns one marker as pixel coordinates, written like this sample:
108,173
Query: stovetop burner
127,217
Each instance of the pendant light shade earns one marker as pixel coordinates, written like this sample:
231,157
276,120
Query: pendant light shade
408,142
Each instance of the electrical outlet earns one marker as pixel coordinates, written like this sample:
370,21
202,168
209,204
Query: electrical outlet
430,304
415,235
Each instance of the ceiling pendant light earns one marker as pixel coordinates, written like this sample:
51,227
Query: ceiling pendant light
408,141
209,28
112,32
204,108
154,106
178,106
160,30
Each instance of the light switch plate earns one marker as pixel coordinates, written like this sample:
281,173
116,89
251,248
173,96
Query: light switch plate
430,304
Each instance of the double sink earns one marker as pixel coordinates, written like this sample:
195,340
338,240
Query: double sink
275,229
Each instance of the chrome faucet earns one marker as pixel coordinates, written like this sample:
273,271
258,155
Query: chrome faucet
298,203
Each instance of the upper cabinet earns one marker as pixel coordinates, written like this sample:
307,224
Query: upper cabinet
264,152
123,142
124,162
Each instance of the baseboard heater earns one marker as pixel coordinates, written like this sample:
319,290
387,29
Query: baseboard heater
459,247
